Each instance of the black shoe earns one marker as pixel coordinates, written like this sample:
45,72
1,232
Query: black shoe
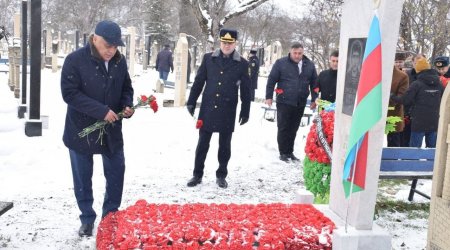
292,156
194,181
284,158
86,230
221,182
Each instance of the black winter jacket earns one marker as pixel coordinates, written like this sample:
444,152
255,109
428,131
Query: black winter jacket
295,87
326,83
424,97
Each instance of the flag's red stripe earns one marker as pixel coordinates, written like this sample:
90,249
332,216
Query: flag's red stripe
370,73
361,163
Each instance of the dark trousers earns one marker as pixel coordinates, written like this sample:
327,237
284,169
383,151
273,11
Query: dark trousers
288,121
252,95
82,170
394,139
224,153
406,135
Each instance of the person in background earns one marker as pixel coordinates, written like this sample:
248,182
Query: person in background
96,85
424,94
294,76
220,77
399,85
253,71
164,62
412,76
326,82
442,64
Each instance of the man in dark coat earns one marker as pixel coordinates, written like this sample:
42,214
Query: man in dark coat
164,62
295,75
253,71
424,94
96,85
221,75
326,82
399,85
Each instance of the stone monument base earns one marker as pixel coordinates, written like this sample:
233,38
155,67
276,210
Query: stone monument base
33,128
353,239
21,111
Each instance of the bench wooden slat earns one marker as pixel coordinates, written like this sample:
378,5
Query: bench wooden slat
405,175
406,165
408,153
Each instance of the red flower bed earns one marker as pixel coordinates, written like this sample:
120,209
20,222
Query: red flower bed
215,226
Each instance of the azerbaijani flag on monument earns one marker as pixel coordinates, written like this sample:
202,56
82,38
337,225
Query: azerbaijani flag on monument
366,114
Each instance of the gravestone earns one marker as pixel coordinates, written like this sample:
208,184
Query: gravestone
357,230
48,43
132,44
24,47
33,125
181,63
159,86
154,53
439,222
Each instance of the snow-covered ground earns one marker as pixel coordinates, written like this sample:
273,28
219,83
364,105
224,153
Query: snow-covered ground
159,152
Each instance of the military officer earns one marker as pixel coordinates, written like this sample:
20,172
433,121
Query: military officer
221,75
253,71
442,66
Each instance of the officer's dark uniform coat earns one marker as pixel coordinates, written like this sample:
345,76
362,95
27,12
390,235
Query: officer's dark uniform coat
220,79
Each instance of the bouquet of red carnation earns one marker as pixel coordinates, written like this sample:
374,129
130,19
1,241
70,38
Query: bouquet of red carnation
143,101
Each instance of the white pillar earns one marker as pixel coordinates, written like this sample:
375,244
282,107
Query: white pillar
181,60
132,32
358,209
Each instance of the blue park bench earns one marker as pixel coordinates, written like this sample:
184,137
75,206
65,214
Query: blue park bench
408,163
5,206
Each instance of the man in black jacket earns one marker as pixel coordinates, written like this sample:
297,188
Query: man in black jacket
221,75
164,62
294,75
424,94
253,71
326,82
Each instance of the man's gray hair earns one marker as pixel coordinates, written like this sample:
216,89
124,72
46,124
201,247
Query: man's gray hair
296,45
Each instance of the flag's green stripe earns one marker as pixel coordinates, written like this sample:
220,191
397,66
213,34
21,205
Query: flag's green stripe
366,115
347,185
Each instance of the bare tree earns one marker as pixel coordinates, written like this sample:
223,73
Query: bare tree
212,15
319,31
424,27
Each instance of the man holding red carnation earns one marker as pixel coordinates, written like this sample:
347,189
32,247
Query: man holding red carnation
295,76
221,76
96,85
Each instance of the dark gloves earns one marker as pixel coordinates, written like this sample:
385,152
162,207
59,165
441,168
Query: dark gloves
191,109
243,120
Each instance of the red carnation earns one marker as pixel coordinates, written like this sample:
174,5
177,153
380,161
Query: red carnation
199,124
144,98
279,91
154,105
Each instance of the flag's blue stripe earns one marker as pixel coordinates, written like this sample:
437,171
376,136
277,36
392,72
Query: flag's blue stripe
351,158
374,37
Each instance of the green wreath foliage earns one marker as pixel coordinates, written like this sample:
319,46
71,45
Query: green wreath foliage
317,178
